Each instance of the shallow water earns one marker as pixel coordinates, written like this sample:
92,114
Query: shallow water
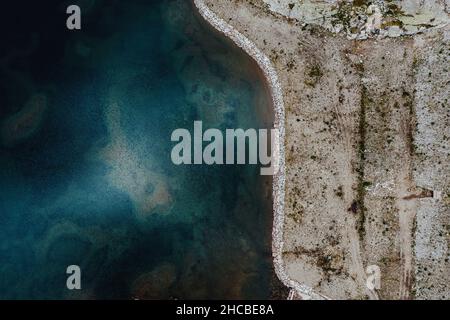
85,170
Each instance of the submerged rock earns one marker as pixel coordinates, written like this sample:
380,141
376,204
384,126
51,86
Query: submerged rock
25,122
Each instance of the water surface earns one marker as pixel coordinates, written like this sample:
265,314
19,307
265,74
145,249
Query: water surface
85,171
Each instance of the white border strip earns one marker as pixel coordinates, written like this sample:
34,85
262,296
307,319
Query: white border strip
279,178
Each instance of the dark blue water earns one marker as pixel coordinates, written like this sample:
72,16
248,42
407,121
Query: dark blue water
85,170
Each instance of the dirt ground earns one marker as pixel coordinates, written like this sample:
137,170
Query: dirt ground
367,154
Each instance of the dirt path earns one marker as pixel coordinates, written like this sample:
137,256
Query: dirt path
351,229
407,213
406,206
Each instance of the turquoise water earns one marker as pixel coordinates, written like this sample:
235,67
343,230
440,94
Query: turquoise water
85,170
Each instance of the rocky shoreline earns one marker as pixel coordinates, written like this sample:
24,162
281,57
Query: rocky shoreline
279,178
